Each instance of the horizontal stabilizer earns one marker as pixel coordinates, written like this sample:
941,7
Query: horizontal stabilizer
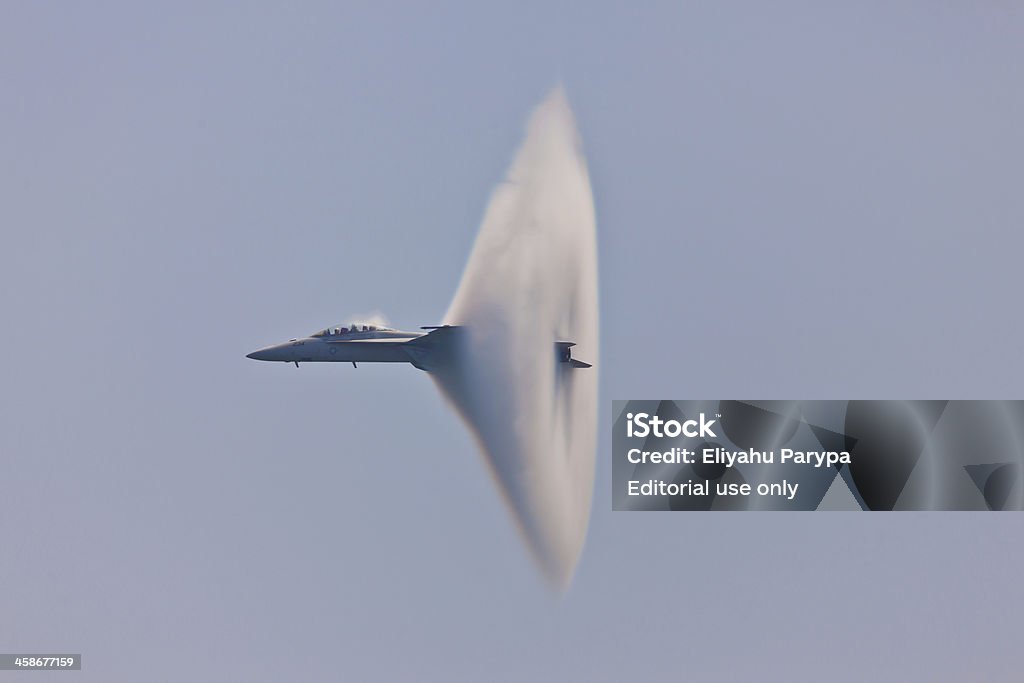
563,353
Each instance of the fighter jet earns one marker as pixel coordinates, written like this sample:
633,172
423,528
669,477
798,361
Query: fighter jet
355,343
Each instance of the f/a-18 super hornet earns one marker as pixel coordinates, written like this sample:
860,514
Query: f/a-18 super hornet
502,354
355,343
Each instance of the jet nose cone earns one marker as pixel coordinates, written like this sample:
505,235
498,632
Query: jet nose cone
280,352
261,354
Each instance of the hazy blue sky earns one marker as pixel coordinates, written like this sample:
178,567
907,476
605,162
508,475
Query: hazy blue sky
793,201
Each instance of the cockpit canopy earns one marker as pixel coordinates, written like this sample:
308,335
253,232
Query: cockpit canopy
352,328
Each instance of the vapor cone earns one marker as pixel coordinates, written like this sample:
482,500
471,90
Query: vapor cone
531,280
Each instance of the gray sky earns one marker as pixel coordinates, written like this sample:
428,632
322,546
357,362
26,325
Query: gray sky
793,201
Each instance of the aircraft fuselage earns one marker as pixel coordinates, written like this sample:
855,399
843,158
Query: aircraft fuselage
369,344
377,346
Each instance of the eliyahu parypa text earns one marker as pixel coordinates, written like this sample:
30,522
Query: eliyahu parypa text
642,425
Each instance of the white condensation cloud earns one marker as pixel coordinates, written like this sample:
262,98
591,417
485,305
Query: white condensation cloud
531,280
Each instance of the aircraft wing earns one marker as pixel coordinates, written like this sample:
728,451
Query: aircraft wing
384,340
436,347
